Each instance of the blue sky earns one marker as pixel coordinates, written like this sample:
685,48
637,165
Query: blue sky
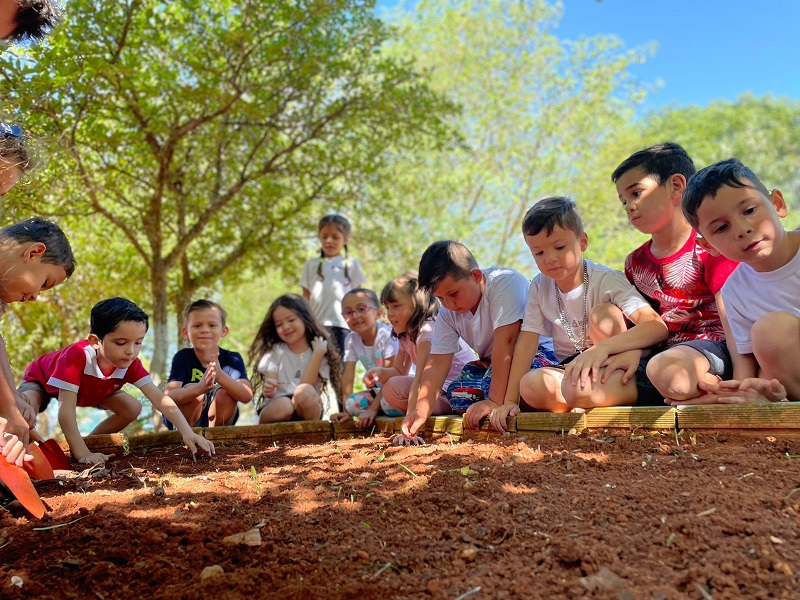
706,49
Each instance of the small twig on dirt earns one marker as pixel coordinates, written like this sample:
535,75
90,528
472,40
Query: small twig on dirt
703,591
677,443
388,565
409,470
61,524
705,513
787,455
791,493
471,592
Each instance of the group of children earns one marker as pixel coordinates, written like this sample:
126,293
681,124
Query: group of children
706,311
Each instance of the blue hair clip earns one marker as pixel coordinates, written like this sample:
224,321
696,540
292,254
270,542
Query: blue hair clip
14,131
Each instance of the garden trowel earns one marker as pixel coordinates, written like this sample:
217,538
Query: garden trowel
39,467
20,485
52,451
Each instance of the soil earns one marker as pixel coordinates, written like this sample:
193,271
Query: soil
590,516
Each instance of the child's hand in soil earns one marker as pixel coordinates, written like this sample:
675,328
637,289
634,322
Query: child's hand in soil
195,441
401,440
95,458
366,418
341,417
411,424
477,412
498,417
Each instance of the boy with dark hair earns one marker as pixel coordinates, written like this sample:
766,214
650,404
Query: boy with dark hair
585,308
740,219
92,373
680,279
35,256
207,381
22,20
484,307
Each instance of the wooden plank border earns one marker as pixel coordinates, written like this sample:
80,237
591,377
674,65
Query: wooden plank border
773,415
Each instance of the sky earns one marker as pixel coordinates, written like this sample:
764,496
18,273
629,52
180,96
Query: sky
706,50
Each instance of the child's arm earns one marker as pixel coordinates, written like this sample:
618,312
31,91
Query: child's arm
184,394
421,396
649,329
319,347
348,378
505,338
524,352
745,366
239,389
400,365
67,418
167,407
16,423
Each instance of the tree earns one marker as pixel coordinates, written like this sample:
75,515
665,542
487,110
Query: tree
205,136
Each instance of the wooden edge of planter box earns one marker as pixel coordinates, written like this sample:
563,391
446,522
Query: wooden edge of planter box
773,415
308,432
163,438
261,433
113,443
530,422
632,417
349,431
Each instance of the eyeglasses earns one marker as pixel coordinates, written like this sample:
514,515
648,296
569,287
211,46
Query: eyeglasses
13,131
360,310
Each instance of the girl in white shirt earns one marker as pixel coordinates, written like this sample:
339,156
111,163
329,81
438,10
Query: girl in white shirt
295,360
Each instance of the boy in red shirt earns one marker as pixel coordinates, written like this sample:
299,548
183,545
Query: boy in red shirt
92,373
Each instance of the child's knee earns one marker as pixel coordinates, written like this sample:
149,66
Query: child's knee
606,320
774,336
306,396
673,375
130,408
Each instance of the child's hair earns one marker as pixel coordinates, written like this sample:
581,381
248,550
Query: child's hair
12,147
426,306
445,258
57,248
373,297
706,182
267,336
549,212
343,225
34,20
205,305
108,314
660,162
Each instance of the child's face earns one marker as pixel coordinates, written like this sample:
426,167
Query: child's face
332,239
8,17
10,173
122,346
26,276
649,206
744,225
559,255
204,329
290,327
399,312
360,312
461,295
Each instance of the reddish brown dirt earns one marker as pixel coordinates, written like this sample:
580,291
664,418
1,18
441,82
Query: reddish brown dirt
591,516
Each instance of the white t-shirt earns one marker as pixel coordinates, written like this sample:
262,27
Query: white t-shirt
749,295
464,354
327,293
385,346
606,286
290,368
502,303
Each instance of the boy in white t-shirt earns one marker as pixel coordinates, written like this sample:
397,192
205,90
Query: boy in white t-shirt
484,307
741,220
584,307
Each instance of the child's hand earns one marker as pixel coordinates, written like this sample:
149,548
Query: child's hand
15,425
373,377
26,410
478,411
319,345
367,417
585,368
627,362
341,417
13,449
498,417
411,424
209,379
270,387
94,458
401,440
195,440
750,390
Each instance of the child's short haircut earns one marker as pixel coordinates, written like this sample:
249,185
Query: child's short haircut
660,162
34,20
12,147
706,182
442,259
549,212
57,252
108,314
373,297
205,305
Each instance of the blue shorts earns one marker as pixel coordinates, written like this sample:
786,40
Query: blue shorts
472,384
203,420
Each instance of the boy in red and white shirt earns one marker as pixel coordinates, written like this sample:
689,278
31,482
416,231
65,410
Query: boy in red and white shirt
92,373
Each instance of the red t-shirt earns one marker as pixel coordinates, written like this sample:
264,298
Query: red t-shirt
75,369
682,288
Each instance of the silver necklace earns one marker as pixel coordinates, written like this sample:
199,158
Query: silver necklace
580,343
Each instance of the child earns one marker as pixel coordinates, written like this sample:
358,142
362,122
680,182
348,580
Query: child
680,279
34,256
294,361
206,381
328,278
485,309
27,19
412,312
92,373
584,307
14,157
370,343
741,220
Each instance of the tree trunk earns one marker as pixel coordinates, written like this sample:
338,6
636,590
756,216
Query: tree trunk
159,321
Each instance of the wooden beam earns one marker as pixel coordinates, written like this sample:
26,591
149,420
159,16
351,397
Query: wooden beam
772,415
543,421
631,417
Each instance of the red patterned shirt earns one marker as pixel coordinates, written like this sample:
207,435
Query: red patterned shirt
682,288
